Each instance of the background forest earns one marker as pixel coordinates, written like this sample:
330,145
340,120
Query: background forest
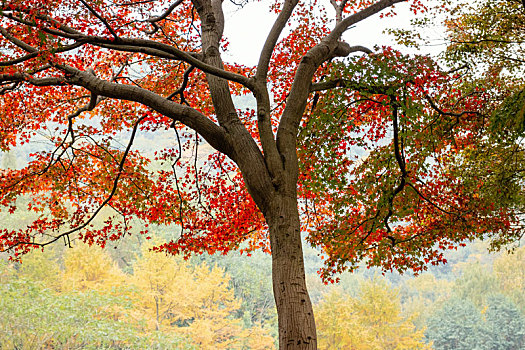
88,298
127,296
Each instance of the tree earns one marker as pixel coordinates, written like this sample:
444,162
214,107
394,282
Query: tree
421,296
87,76
485,38
250,278
510,273
196,301
373,320
488,35
476,284
87,269
504,323
460,325
457,325
42,267
32,316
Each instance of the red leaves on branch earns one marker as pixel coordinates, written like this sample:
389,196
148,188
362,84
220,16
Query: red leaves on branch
381,148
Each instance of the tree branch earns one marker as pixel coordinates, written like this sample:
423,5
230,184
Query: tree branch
20,77
154,20
264,125
101,206
145,46
350,84
271,40
180,90
17,42
102,19
214,134
329,47
371,10
252,163
450,114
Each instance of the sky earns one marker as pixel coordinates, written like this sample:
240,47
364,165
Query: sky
247,28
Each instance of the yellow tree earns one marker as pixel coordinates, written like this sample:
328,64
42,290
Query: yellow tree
90,268
423,295
195,299
161,281
370,321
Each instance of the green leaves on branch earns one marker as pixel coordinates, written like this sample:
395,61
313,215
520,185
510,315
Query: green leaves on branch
381,160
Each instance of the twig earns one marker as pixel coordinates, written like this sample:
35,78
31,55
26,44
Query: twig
102,19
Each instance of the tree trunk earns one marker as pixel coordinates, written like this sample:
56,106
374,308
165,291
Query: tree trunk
294,308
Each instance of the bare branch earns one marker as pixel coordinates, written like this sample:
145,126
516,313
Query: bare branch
338,9
179,156
197,184
145,46
153,20
166,13
102,19
16,41
252,161
401,163
450,114
180,90
261,94
36,53
9,87
429,201
371,10
20,77
271,40
141,45
359,48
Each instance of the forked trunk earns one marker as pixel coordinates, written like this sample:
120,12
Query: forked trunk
294,308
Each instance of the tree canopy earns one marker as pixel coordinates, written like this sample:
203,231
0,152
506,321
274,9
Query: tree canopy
377,155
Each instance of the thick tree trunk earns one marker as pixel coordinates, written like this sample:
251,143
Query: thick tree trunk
294,308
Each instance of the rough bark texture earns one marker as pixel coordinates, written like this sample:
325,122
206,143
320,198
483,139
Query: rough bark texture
294,308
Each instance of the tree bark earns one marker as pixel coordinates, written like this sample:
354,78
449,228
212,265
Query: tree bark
294,308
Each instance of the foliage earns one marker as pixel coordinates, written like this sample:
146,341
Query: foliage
488,35
391,150
250,279
205,313
356,311
476,284
505,325
43,267
87,269
433,122
372,320
35,317
460,325
94,300
510,273
457,325
421,294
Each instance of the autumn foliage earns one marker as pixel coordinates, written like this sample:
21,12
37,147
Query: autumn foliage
377,156
389,183
381,143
